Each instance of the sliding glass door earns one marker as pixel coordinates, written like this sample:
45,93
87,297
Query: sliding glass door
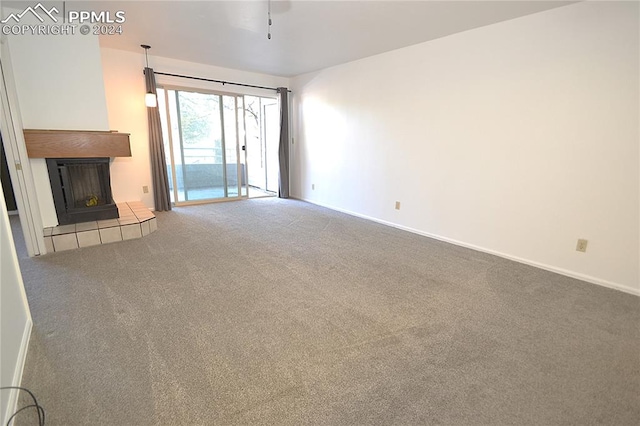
219,146
202,135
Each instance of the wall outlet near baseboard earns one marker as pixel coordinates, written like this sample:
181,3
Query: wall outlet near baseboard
397,205
313,186
582,245
145,189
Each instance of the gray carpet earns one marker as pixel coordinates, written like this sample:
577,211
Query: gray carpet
280,312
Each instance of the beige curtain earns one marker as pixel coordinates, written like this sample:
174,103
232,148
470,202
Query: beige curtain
283,151
159,175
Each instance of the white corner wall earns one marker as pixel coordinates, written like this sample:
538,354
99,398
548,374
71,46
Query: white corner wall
59,85
125,88
15,318
516,139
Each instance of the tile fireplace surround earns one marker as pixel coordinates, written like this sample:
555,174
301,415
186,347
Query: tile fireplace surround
135,221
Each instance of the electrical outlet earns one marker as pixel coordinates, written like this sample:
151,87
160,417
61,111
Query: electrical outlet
582,245
313,186
145,189
397,205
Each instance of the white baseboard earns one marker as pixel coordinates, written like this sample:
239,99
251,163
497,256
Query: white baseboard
565,272
14,394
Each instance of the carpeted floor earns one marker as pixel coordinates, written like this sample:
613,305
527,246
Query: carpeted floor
280,312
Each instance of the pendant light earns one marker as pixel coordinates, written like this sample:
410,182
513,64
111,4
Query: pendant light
149,98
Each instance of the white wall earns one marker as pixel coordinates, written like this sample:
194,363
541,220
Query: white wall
15,318
59,84
125,88
516,138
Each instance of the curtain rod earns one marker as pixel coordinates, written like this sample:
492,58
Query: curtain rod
218,81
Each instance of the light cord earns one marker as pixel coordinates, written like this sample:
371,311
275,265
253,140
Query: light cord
269,21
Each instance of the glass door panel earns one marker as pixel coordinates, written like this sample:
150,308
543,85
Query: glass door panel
243,148
201,144
253,127
231,145
272,142
177,162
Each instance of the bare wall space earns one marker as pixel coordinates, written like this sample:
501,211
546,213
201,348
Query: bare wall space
518,138
68,96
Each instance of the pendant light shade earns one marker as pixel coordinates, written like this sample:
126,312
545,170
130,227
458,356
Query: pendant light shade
150,100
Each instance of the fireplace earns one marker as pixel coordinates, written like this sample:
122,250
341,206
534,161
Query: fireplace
78,164
81,189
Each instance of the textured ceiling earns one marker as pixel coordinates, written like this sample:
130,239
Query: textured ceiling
306,35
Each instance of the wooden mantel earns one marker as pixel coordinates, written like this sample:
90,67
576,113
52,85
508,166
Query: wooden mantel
76,144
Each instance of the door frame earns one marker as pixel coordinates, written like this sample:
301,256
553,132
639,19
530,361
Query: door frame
263,141
18,161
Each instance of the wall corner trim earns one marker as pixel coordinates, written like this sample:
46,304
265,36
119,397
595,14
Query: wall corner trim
14,394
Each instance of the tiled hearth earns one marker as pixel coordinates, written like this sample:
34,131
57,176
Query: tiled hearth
135,221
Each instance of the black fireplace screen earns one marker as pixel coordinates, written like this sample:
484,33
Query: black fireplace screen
81,189
88,185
